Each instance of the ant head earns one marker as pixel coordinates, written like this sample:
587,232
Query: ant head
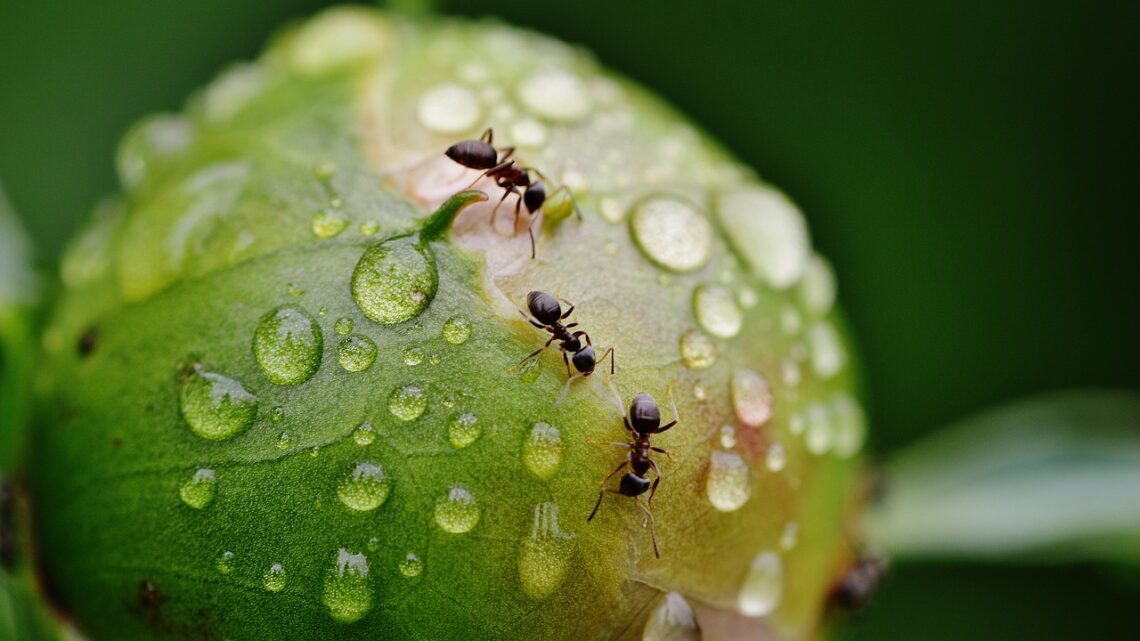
544,307
474,154
633,484
644,414
572,344
534,196
584,359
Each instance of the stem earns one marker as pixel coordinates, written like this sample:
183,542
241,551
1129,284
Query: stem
441,220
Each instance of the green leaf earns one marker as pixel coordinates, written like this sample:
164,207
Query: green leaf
19,291
1053,478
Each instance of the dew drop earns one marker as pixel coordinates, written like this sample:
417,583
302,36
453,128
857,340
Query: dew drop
790,373
790,320
407,402
347,594
448,109
817,289
274,579
768,231
542,451
356,353
850,425
763,585
364,434
796,424
394,280
699,392
672,620
827,354
198,492
751,397
457,512
672,233
277,414
369,228
294,291
344,326
555,94
411,566
613,211
790,536
214,406
776,458
225,562
529,371
727,437
457,330
155,140
729,484
716,310
529,132
464,430
545,554
283,441
365,488
413,356
287,345
818,432
328,224
697,350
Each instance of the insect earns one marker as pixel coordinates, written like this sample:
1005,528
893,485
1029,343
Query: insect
548,316
643,421
508,174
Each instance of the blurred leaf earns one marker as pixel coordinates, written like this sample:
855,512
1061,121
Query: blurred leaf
1048,479
18,293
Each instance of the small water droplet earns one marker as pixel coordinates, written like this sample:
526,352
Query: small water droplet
817,288
356,353
274,579
827,353
214,406
790,536
407,402
369,228
364,434
672,233
198,492
790,320
542,451
457,330
697,350
464,430
555,94
850,425
751,397
729,484
283,441
613,211
529,371
365,488
776,458
315,451
672,620
790,372
277,414
763,585
225,562
434,359
748,297
411,566
448,109
457,512
529,132
545,554
768,231
394,280
325,170
818,433
727,437
344,326
716,310
152,142
699,392
328,224
294,291
288,345
413,356
347,594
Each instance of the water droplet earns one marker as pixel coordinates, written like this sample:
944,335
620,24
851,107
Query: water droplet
542,451
768,231
328,224
344,326
776,458
277,414
347,594
545,554
315,451
827,354
748,297
283,441
288,345
464,430
214,406
672,620
369,228
751,397
699,392
151,142
697,350
231,91
716,310
365,488
529,371
394,281
850,425
199,491
225,562
790,320
529,132
796,424
613,211
790,536
448,109
457,512
408,402
555,94
294,291
434,359
672,233
274,579
325,170
411,566
413,356
364,434
356,353
763,585
790,372
727,437
457,330
818,433
729,484
817,288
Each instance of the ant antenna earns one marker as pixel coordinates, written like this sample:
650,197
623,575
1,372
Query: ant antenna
566,389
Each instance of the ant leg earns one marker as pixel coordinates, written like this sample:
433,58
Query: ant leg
566,359
506,152
531,320
610,353
620,405
577,334
566,390
656,482
493,171
488,136
661,451
495,211
532,354
676,416
573,203
569,311
529,228
652,531
617,469
599,503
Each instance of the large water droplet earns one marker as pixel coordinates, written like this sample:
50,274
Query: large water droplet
763,585
545,554
274,579
697,350
394,280
448,109
751,397
411,566
225,562
464,430
457,512
555,94
827,353
365,488
198,492
151,142
729,484
671,620
776,458
672,233
407,402
328,224
850,425
716,310
356,353
347,594
214,406
344,326
457,330
287,345
542,451
768,231
364,434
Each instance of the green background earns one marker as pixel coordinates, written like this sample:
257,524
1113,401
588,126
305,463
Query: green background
970,169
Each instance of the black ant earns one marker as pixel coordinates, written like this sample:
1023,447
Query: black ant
642,421
548,316
497,164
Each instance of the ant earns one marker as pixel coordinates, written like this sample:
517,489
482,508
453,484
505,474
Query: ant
497,164
548,316
642,421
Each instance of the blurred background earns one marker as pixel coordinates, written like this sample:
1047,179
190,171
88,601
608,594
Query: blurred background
971,170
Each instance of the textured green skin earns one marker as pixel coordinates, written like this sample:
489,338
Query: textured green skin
112,450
